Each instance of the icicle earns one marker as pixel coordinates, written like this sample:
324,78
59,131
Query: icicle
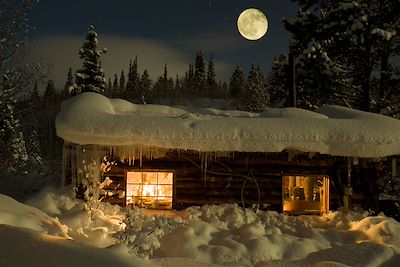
141,157
65,159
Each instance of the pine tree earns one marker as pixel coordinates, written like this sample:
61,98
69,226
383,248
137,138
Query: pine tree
115,87
277,81
109,87
188,82
224,91
177,88
256,96
34,99
132,90
48,129
13,156
91,77
345,44
212,87
164,86
199,78
145,85
69,87
122,83
35,163
237,83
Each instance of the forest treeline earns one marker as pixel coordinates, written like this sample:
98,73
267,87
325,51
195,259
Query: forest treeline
346,53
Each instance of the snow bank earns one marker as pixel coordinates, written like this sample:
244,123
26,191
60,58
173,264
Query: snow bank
14,213
90,118
207,236
94,228
228,235
23,247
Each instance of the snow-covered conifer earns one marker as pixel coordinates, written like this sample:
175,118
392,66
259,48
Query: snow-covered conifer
199,77
90,78
256,96
13,156
132,90
237,83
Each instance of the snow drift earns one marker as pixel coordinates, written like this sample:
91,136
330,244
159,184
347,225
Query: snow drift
207,236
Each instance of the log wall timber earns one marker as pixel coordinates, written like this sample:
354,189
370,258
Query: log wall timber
243,180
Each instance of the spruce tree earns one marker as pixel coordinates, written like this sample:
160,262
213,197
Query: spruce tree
177,87
145,85
115,87
48,129
90,78
35,163
237,83
109,86
132,90
13,156
69,87
122,84
199,78
164,86
347,46
256,96
278,88
212,87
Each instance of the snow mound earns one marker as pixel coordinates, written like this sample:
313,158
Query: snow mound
291,113
231,236
53,201
90,118
23,247
16,214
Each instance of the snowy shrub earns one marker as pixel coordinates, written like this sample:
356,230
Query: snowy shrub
142,234
90,184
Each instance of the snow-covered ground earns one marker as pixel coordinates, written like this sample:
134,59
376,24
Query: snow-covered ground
51,229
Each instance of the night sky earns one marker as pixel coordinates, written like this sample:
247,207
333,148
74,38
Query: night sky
158,32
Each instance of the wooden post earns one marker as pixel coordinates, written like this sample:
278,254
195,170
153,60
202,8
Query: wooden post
292,101
347,191
308,184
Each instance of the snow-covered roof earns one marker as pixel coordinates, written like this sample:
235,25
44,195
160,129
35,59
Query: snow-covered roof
91,118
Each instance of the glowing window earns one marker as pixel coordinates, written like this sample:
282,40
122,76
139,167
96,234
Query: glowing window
149,189
305,194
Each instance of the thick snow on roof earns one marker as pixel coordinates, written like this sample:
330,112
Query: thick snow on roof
91,118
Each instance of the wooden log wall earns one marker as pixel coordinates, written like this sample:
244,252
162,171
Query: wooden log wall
225,180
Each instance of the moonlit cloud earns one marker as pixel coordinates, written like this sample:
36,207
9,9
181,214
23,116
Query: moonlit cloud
61,52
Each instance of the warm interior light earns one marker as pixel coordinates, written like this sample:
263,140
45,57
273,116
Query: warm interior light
149,189
305,194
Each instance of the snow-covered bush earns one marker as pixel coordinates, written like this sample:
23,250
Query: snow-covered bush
90,184
142,234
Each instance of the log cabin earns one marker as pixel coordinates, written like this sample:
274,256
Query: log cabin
161,157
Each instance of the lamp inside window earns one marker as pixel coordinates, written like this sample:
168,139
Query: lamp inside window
149,189
305,194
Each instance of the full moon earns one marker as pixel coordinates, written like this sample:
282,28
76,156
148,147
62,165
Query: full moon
252,24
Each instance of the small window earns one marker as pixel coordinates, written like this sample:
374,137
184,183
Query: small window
305,194
149,189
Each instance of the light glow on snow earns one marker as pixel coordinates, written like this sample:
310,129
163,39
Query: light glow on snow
212,236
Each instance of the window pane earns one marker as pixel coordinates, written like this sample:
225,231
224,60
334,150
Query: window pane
165,190
150,177
165,177
134,177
